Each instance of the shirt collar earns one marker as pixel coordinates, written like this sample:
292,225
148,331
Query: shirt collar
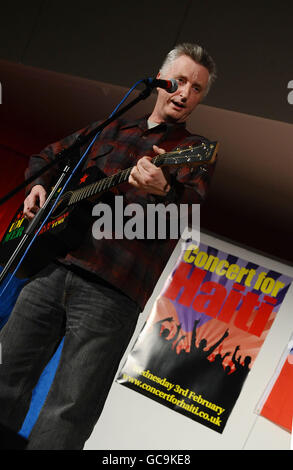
142,124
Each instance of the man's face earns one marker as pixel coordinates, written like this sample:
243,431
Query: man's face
192,81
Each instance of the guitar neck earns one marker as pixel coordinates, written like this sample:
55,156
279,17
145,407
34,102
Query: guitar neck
203,153
105,184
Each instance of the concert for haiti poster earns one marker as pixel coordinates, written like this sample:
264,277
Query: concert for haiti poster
204,333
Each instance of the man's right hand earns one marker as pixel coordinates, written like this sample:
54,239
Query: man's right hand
34,201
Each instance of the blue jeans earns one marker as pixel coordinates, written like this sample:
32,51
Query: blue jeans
97,323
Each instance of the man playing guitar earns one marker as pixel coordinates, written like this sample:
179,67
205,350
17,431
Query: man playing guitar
92,297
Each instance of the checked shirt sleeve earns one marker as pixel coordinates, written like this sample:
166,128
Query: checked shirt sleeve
47,155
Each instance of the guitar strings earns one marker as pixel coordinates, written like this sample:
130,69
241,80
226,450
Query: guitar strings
120,177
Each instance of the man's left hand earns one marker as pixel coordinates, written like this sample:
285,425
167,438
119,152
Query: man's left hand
147,177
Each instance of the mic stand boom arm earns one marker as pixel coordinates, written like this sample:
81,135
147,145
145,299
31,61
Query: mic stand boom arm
70,154
80,141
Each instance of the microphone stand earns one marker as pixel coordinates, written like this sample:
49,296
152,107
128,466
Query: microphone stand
70,154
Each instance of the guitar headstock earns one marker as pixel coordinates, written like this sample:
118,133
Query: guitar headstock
204,153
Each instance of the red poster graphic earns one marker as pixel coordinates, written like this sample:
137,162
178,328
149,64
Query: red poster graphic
204,334
277,401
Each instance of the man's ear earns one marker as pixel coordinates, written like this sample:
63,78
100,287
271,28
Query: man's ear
158,76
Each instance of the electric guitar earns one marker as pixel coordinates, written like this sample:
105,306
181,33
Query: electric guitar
70,219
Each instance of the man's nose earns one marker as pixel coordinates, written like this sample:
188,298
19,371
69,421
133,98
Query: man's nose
184,91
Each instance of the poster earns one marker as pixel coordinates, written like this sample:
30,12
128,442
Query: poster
276,404
204,333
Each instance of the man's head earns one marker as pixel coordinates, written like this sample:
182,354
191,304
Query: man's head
194,71
198,54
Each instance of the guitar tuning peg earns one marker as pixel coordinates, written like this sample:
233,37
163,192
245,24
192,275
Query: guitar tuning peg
203,169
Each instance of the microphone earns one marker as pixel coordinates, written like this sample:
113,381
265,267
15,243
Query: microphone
169,85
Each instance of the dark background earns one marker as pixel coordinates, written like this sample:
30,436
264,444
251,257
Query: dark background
119,42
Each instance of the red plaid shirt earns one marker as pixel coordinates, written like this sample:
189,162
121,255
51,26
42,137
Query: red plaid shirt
133,266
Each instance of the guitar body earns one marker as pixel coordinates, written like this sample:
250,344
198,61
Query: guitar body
63,232
72,216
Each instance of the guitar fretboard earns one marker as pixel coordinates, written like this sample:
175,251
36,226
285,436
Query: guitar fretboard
200,154
110,181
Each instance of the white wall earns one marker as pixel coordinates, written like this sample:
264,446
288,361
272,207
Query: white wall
132,421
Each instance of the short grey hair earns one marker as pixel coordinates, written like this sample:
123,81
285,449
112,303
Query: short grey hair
197,53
